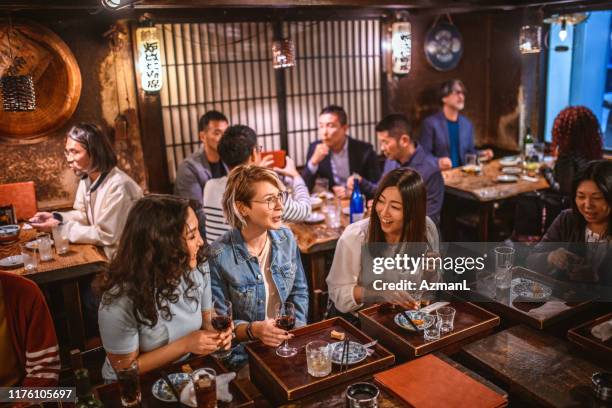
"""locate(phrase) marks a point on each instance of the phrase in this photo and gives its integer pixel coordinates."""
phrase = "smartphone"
(278, 156)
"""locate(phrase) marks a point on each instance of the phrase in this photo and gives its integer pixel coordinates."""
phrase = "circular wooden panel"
(57, 81)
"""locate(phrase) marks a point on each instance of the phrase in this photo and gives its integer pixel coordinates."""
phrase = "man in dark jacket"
(336, 156)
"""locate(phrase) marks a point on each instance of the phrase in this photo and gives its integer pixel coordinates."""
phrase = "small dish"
(315, 202)
(507, 178)
(356, 352)
(162, 392)
(422, 320)
(510, 161)
(11, 261)
(315, 218)
(9, 233)
(471, 168)
(531, 291)
(512, 170)
(346, 211)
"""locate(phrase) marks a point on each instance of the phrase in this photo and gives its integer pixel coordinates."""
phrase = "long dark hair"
(600, 172)
(414, 200)
(97, 145)
(151, 258)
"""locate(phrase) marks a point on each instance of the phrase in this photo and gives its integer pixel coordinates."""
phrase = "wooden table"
(484, 189)
(505, 303)
(316, 241)
(65, 270)
(536, 367)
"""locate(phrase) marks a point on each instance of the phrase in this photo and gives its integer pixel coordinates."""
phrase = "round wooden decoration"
(39, 52)
(443, 46)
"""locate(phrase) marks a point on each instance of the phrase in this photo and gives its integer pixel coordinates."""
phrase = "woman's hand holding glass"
(204, 342)
(269, 334)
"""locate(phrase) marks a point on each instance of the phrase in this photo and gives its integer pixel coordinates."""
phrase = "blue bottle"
(357, 204)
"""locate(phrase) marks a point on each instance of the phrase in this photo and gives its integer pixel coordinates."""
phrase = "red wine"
(285, 322)
(221, 323)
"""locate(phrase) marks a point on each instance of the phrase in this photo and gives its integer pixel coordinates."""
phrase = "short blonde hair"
(239, 187)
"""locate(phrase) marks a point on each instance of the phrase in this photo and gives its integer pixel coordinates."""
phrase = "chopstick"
(172, 388)
(414, 326)
(345, 355)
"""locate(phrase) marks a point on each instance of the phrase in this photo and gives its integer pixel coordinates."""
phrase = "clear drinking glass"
(221, 320)
(29, 255)
(319, 358)
(205, 387)
(43, 241)
(471, 159)
(333, 215)
(446, 318)
(62, 245)
(129, 382)
(285, 319)
(432, 332)
(321, 185)
(539, 148)
(504, 260)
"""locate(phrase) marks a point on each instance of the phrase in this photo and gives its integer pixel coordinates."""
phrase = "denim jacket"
(235, 276)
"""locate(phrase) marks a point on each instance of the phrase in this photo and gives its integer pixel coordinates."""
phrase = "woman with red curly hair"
(576, 141)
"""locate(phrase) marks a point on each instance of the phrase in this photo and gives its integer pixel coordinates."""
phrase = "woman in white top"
(398, 215)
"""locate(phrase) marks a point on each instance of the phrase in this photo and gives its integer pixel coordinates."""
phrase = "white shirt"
(98, 217)
(346, 266)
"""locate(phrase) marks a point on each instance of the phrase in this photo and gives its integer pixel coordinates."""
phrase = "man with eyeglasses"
(238, 146)
(448, 135)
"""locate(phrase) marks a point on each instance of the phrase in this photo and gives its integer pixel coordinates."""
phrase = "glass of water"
(504, 260)
(333, 215)
(44, 247)
(432, 332)
(446, 319)
(62, 245)
(319, 358)
(29, 255)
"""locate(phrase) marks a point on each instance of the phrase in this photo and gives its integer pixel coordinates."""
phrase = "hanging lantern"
(17, 90)
(401, 47)
(530, 39)
(149, 59)
(283, 54)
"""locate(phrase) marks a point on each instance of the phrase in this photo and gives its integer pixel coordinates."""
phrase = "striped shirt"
(297, 207)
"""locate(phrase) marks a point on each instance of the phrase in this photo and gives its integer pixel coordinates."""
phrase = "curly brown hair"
(151, 259)
(576, 130)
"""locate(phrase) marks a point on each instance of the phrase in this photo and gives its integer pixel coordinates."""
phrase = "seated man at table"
(238, 146)
(28, 344)
(204, 164)
(104, 196)
(337, 156)
(448, 135)
(394, 135)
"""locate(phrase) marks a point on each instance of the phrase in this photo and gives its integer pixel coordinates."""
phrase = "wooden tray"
(109, 393)
(471, 322)
(287, 379)
(581, 335)
(508, 307)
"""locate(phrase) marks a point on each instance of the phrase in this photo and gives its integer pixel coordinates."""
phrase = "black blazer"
(362, 160)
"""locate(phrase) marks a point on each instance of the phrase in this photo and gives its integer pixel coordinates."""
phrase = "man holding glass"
(448, 135)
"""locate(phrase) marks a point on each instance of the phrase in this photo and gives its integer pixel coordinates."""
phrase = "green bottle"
(528, 150)
(85, 396)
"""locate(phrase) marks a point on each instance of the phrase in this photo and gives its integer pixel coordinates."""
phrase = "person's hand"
(266, 161)
(46, 224)
(561, 257)
(486, 154)
(289, 170)
(41, 217)
(321, 151)
(204, 342)
(225, 338)
(350, 182)
(268, 333)
(401, 299)
(445, 163)
(339, 191)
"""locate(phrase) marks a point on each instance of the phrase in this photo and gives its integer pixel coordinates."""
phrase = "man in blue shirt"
(448, 135)
(393, 134)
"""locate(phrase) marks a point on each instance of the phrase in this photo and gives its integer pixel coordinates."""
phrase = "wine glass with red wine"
(285, 319)
(221, 320)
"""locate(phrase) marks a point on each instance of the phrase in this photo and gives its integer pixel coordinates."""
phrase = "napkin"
(548, 309)
(603, 331)
(430, 382)
(223, 394)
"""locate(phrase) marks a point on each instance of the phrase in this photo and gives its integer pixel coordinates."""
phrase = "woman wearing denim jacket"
(257, 265)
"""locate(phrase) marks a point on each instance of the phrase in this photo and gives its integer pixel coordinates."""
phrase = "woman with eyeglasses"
(398, 217)
(256, 265)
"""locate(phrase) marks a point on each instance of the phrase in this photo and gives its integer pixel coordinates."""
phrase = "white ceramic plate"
(356, 352)
(315, 218)
(512, 170)
(507, 178)
(11, 261)
(510, 161)
(315, 202)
